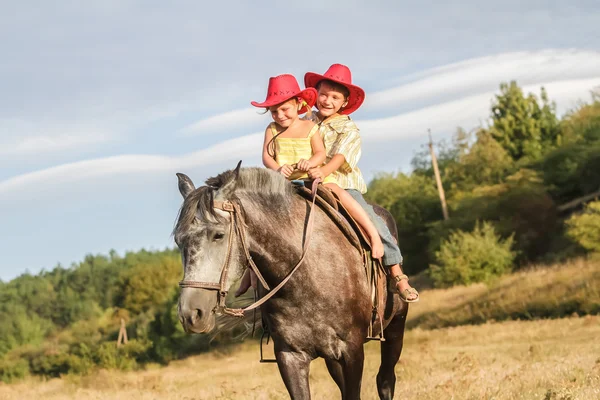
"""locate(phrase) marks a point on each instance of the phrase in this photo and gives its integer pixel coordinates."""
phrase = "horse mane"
(254, 180)
(261, 185)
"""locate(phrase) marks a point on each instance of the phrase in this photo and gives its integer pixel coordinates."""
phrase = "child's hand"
(377, 248)
(303, 165)
(285, 170)
(315, 173)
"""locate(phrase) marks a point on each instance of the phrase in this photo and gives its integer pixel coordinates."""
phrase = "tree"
(149, 285)
(414, 203)
(524, 127)
(483, 163)
(582, 125)
(584, 228)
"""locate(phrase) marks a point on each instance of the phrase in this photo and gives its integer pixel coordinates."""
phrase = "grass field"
(548, 359)
(450, 353)
(539, 292)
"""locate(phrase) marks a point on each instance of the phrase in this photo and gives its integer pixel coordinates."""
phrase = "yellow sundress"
(291, 150)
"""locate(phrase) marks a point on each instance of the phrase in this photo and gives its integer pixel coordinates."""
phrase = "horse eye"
(218, 236)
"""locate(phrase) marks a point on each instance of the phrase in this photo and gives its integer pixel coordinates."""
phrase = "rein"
(237, 227)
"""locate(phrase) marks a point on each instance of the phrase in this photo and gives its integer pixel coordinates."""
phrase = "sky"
(102, 102)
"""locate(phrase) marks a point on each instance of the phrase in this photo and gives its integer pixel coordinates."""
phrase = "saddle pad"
(331, 205)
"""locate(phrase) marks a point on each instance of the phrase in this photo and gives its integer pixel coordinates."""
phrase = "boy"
(337, 98)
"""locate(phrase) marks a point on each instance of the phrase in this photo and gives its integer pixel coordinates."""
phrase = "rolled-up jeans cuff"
(392, 259)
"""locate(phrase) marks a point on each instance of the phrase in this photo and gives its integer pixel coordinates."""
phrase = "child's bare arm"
(345, 150)
(333, 165)
(269, 160)
(319, 155)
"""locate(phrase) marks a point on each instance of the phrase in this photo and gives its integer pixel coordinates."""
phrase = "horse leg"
(294, 367)
(390, 354)
(352, 368)
(337, 373)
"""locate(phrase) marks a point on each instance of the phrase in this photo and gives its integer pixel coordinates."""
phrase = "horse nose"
(193, 316)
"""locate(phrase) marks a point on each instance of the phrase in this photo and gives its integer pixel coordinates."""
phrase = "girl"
(292, 146)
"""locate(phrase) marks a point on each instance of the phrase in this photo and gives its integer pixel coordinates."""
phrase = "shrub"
(585, 228)
(477, 256)
(11, 370)
(52, 364)
(109, 356)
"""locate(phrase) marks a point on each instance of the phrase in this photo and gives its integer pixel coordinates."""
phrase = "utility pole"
(122, 339)
(438, 179)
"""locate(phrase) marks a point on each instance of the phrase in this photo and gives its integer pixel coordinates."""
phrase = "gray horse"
(322, 311)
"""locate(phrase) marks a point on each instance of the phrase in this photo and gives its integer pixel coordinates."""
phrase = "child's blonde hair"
(299, 100)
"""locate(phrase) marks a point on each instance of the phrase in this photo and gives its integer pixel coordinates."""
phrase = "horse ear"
(236, 173)
(186, 186)
(229, 186)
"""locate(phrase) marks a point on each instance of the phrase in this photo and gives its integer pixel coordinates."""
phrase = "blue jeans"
(391, 250)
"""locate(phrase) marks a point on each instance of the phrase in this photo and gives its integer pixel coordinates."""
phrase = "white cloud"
(467, 112)
(39, 144)
(467, 109)
(26, 138)
(121, 66)
(485, 73)
(234, 149)
(229, 121)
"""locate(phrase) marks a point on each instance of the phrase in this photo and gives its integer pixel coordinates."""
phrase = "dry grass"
(545, 292)
(547, 359)
(542, 359)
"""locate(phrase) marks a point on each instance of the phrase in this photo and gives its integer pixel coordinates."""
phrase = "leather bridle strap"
(237, 225)
(238, 220)
(309, 231)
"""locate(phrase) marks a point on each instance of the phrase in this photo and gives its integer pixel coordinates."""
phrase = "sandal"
(404, 294)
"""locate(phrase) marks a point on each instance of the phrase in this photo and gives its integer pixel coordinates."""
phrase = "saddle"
(374, 271)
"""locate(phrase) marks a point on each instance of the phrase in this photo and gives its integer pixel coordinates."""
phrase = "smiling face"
(286, 113)
(331, 98)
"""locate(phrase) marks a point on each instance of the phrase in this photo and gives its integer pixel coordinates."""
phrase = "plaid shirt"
(341, 136)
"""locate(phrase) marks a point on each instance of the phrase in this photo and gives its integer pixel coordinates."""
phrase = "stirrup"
(370, 334)
(265, 360)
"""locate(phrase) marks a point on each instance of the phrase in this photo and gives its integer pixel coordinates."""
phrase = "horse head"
(212, 258)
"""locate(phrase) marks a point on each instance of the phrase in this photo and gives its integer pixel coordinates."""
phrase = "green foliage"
(126, 357)
(584, 228)
(571, 171)
(88, 300)
(477, 256)
(148, 285)
(413, 201)
(523, 126)
(80, 358)
(11, 370)
(583, 123)
(484, 163)
(20, 327)
(53, 364)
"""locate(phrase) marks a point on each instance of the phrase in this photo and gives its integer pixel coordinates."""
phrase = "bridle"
(236, 228)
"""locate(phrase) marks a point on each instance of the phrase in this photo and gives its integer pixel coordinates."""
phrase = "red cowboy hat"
(284, 87)
(341, 74)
